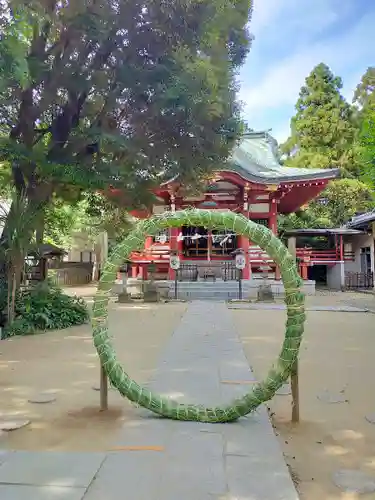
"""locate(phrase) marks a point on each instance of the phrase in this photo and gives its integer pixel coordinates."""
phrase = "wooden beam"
(294, 378)
(103, 389)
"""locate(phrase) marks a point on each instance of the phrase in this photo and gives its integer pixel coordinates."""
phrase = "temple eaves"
(253, 158)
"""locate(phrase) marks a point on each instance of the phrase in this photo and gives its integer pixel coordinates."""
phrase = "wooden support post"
(103, 389)
(295, 392)
(294, 379)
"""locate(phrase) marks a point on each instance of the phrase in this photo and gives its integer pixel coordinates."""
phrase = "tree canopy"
(112, 91)
(364, 98)
(327, 132)
(322, 131)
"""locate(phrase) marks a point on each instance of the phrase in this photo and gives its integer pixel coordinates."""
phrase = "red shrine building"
(252, 183)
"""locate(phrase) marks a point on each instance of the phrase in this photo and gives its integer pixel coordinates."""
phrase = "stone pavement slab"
(282, 307)
(21, 492)
(50, 468)
(199, 461)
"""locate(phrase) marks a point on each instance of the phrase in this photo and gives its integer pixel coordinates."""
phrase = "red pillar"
(277, 273)
(173, 233)
(304, 273)
(273, 216)
(273, 227)
(143, 271)
(148, 242)
(244, 243)
(134, 270)
(341, 248)
(180, 244)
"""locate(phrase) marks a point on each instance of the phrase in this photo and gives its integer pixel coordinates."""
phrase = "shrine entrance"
(200, 244)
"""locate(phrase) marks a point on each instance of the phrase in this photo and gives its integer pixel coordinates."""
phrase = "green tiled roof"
(254, 158)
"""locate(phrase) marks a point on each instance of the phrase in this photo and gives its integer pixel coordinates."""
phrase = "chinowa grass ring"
(294, 299)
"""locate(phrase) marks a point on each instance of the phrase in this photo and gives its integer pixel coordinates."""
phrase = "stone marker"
(284, 390)
(43, 398)
(13, 424)
(97, 388)
(328, 397)
(370, 418)
(354, 481)
(124, 298)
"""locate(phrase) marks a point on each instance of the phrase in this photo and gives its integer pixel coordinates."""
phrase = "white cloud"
(272, 18)
(278, 89)
(281, 84)
(264, 12)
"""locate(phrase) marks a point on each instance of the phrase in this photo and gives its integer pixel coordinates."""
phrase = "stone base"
(124, 298)
(265, 293)
(229, 290)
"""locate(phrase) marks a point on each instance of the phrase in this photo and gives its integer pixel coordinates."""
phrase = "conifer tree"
(323, 130)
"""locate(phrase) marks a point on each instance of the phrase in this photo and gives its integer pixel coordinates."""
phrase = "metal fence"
(356, 281)
(230, 272)
(187, 272)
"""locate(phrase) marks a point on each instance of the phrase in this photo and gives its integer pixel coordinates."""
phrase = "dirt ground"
(65, 364)
(337, 355)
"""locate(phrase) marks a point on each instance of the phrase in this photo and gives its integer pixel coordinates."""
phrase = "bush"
(46, 307)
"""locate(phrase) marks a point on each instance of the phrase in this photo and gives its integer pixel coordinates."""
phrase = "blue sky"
(293, 36)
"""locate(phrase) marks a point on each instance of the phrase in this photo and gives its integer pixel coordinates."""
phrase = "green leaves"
(366, 144)
(329, 132)
(323, 129)
(46, 307)
(148, 78)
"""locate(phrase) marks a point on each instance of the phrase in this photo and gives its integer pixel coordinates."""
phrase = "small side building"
(332, 257)
(341, 258)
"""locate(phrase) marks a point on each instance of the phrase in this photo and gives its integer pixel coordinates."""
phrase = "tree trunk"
(39, 235)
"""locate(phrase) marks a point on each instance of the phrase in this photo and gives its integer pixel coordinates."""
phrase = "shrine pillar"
(244, 243)
(173, 244)
(273, 216)
(273, 227)
(148, 242)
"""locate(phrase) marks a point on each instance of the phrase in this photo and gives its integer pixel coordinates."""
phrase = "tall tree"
(323, 130)
(117, 91)
(364, 94)
(366, 144)
(364, 100)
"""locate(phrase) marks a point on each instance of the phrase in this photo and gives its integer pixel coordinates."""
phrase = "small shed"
(37, 261)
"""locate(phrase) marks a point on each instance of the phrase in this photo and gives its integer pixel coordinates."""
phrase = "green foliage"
(364, 97)
(46, 307)
(366, 149)
(327, 132)
(117, 92)
(61, 220)
(323, 129)
(92, 214)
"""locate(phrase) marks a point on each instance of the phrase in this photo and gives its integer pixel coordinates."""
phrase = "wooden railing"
(324, 255)
(256, 255)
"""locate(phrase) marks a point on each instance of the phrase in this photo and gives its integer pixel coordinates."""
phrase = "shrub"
(46, 307)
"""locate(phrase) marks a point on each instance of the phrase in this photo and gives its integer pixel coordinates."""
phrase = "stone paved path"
(282, 307)
(187, 460)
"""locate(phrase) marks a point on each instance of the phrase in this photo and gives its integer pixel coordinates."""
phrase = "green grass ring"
(294, 300)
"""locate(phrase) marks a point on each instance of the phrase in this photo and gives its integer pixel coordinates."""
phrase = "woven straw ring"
(294, 299)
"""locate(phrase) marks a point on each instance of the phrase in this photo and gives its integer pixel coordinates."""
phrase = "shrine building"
(252, 183)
